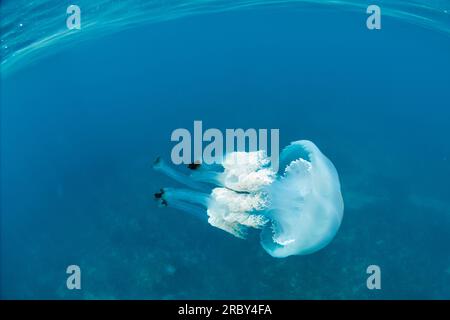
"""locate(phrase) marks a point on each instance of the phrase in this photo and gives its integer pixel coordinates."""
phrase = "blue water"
(81, 125)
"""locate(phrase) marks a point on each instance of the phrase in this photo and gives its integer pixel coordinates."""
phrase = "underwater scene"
(122, 176)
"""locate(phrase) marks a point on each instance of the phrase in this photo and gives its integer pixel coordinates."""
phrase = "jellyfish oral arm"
(161, 166)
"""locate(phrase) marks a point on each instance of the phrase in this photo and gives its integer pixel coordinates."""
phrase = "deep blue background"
(81, 128)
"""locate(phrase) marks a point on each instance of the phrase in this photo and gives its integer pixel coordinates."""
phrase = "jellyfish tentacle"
(161, 166)
(207, 173)
(191, 202)
(197, 166)
(211, 177)
(186, 195)
(191, 209)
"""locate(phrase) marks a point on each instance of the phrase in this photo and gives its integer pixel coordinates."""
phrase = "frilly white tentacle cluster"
(239, 204)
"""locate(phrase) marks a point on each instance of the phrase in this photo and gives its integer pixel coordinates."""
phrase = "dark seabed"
(81, 128)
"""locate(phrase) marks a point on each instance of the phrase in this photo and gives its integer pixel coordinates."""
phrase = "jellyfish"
(297, 208)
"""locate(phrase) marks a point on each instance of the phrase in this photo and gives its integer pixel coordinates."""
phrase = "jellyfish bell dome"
(298, 208)
(306, 207)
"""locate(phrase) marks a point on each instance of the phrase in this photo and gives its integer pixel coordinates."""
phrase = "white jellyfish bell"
(299, 208)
